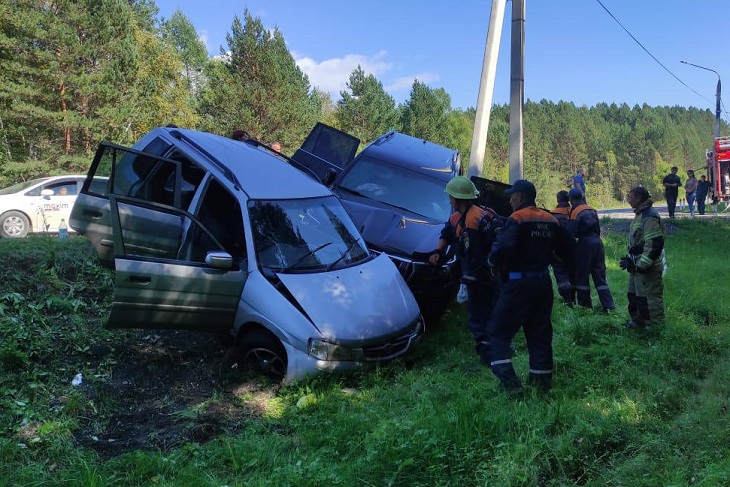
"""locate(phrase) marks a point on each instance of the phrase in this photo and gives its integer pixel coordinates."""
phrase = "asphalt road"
(629, 213)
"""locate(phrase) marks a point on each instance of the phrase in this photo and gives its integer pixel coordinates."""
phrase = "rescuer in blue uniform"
(560, 271)
(590, 256)
(523, 250)
(471, 230)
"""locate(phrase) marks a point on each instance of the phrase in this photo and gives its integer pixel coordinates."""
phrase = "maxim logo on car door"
(54, 206)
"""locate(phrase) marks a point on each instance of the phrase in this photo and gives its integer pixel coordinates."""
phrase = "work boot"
(632, 325)
(541, 382)
(508, 380)
(484, 350)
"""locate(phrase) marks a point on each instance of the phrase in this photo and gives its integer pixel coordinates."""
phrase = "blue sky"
(574, 51)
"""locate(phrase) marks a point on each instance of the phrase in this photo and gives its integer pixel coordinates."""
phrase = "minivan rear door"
(171, 278)
(326, 151)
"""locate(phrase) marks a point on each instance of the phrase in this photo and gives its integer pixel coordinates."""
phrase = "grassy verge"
(626, 408)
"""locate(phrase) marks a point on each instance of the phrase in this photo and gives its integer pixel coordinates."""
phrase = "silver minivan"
(218, 235)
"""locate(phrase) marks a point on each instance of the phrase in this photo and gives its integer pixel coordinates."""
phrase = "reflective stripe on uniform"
(500, 362)
(541, 372)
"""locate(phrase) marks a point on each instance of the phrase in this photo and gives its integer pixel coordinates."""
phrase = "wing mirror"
(219, 260)
(47, 192)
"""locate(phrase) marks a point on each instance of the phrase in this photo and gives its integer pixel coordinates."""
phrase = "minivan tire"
(261, 352)
(14, 224)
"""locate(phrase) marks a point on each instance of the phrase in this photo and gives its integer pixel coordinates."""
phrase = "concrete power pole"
(517, 91)
(486, 88)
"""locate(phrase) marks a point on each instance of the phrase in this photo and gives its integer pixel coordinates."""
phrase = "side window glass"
(192, 176)
(221, 215)
(149, 232)
(98, 184)
(63, 188)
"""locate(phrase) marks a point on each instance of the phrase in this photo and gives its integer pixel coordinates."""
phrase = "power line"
(647, 51)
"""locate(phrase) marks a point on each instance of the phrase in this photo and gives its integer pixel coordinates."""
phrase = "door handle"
(139, 279)
(106, 242)
(91, 213)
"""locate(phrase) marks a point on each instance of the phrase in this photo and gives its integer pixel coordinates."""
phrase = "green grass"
(626, 409)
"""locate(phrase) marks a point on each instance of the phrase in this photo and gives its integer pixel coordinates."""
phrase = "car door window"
(147, 177)
(221, 226)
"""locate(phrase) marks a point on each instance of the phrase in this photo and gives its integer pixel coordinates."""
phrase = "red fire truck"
(718, 168)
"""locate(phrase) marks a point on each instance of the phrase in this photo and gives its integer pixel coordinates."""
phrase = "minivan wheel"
(14, 224)
(261, 352)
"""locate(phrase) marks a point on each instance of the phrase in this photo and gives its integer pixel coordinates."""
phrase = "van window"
(220, 214)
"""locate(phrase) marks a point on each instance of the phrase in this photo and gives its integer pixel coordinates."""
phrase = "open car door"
(491, 194)
(179, 277)
(326, 151)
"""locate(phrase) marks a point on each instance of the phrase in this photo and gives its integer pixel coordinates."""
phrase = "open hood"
(399, 233)
(342, 304)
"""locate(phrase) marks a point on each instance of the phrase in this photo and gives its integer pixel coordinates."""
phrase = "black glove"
(628, 263)
(439, 252)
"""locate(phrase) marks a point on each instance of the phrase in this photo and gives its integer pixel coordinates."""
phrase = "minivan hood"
(393, 231)
(359, 303)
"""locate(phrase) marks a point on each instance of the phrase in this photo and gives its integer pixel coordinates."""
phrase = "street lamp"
(717, 106)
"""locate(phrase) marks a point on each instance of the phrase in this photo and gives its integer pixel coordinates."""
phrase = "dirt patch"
(166, 388)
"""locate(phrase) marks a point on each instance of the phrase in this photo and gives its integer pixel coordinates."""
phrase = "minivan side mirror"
(219, 260)
(47, 192)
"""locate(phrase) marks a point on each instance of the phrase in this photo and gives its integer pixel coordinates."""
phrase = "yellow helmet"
(461, 188)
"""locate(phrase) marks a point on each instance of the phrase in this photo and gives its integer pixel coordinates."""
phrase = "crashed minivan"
(218, 235)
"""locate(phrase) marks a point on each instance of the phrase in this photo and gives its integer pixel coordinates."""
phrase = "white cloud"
(332, 74)
(406, 82)
(203, 36)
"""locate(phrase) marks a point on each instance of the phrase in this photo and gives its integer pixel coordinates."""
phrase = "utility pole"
(517, 92)
(714, 173)
(486, 89)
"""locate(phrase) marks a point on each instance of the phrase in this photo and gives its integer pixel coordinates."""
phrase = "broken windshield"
(310, 234)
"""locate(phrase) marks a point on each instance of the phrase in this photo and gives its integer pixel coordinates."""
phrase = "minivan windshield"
(313, 234)
(398, 186)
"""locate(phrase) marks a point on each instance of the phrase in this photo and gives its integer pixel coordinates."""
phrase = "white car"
(37, 206)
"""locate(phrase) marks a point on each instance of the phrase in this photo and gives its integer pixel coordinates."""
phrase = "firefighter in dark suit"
(560, 271)
(471, 230)
(590, 256)
(523, 251)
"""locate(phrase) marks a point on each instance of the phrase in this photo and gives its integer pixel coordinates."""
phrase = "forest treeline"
(76, 72)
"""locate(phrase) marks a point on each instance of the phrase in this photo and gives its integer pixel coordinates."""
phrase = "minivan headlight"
(324, 350)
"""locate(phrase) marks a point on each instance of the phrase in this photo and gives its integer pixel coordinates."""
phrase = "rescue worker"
(645, 263)
(590, 256)
(471, 230)
(523, 250)
(560, 271)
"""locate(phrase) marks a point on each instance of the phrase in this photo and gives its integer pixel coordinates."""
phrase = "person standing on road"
(590, 256)
(471, 229)
(523, 251)
(690, 190)
(671, 184)
(579, 181)
(560, 271)
(645, 263)
(703, 189)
